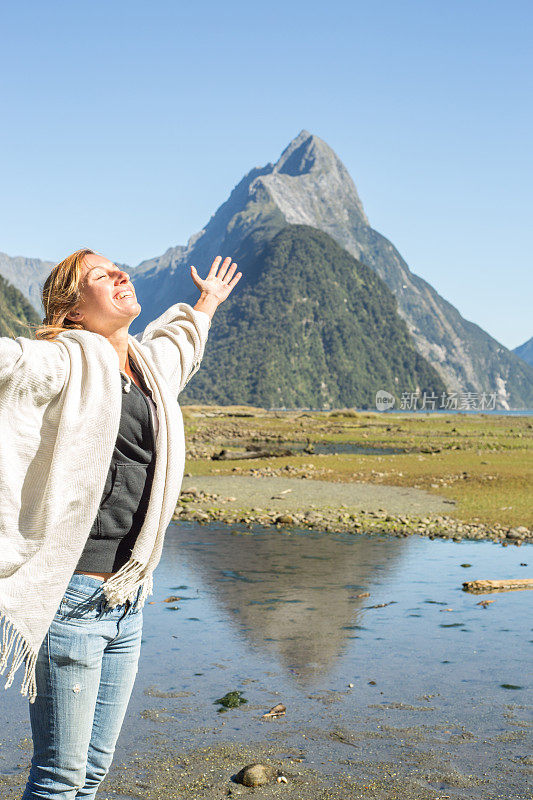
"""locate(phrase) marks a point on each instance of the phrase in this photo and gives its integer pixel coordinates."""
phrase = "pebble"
(256, 775)
(285, 519)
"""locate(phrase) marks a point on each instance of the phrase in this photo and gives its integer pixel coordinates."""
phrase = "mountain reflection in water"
(293, 595)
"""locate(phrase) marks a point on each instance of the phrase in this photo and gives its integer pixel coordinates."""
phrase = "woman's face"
(108, 300)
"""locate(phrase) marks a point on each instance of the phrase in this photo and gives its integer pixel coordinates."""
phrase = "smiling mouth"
(122, 295)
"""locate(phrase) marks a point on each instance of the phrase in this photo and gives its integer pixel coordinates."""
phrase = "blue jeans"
(86, 668)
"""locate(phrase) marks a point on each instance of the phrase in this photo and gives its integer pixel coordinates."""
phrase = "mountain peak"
(304, 154)
(310, 185)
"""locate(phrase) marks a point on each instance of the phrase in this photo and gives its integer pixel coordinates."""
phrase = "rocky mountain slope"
(27, 275)
(317, 329)
(525, 351)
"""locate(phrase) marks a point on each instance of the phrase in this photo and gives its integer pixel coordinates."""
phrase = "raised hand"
(220, 280)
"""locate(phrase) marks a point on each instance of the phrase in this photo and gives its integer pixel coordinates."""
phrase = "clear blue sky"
(126, 124)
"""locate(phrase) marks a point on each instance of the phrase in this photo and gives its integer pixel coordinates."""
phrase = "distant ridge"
(525, 351)
(27, 275)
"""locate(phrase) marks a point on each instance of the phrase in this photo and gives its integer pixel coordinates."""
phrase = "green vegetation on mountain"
(313, 328)
(15, 311)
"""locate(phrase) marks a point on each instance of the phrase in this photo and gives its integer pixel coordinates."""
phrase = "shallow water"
(349, 448)
(276, 616)
(330, 448)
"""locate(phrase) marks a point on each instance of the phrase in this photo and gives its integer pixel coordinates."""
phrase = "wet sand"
(418, 773)
(166, 772)
(300, 494)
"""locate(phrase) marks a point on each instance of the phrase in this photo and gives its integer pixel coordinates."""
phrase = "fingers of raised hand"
(194, 275)
(235, 280)
(230, 273)
(223, 271)
(224, 268)
(214, 267)
(230, 279)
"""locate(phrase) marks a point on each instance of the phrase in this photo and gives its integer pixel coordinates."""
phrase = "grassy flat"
(482, 462)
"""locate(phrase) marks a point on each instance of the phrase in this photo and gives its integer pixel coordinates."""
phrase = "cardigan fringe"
(121, 587)
(125, 583)
(15, 646)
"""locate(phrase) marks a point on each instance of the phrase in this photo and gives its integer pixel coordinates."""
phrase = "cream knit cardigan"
(60, 407)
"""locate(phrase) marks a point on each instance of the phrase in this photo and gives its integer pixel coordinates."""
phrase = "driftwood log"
(233, 455)
(507, 585)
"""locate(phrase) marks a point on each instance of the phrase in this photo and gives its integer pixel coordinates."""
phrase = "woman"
(91, 458)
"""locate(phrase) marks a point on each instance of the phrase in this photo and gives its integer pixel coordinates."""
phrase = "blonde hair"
(61, 292)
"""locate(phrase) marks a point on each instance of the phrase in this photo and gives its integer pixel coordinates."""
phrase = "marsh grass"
(483, 462)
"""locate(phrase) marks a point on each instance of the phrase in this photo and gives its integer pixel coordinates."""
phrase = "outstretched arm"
(177, 338)
(37, 368)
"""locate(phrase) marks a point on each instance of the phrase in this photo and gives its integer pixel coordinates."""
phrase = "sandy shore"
(290, 494)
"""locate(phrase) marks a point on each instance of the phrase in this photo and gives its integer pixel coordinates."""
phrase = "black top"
(127, 487)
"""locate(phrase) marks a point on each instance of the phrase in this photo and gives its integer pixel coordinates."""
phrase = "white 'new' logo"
(384, 400)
